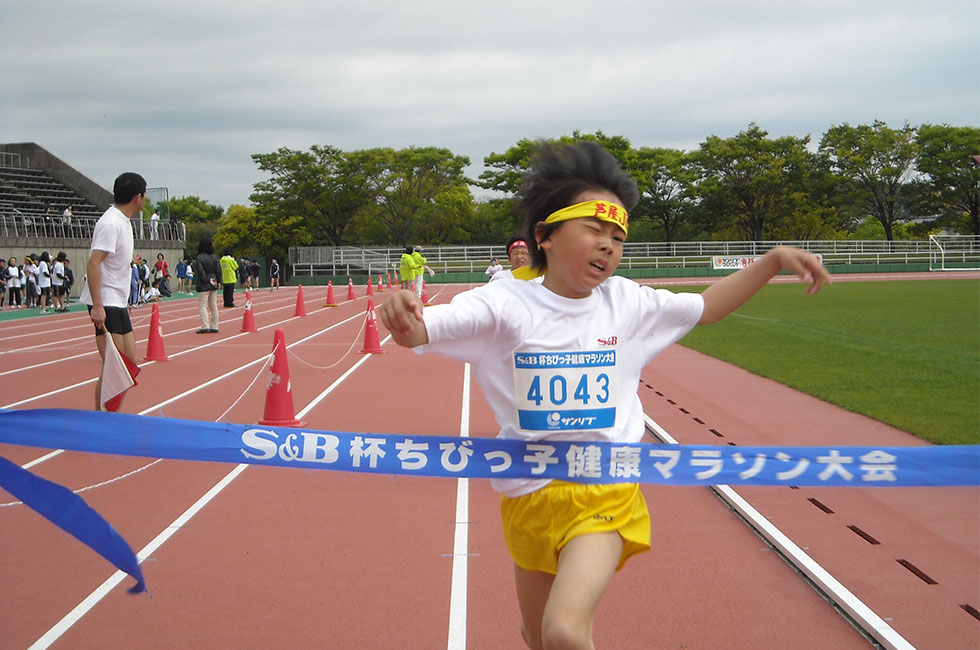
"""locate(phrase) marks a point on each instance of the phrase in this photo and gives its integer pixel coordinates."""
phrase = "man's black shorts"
(116, 321)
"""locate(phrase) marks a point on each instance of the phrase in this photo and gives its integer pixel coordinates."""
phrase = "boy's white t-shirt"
(114, 235)
(43, 275)
(58, 268)
(555, 368)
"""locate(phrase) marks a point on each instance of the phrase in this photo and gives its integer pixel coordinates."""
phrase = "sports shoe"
(213, 331)
(202, 331)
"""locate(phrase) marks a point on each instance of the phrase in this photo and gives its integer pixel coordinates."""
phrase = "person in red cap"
(519, 257)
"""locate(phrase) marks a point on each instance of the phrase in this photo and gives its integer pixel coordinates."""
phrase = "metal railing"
(327, 260)
(15, 224)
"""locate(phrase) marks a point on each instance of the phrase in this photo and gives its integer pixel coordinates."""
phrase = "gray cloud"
(185, 92)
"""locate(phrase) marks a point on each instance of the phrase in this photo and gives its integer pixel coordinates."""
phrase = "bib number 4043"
(557, 390)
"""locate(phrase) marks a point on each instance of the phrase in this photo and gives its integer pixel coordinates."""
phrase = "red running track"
(288, 558)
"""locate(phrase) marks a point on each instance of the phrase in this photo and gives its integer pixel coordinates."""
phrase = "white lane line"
(863, 615)
(181, 353)
(103, 590)
(457, 594)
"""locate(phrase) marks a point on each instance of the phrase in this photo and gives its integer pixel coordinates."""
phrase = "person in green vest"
(420, 269)
(229, 268)
(407, 269)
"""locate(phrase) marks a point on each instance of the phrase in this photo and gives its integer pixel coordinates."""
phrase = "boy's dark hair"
(408, 250)
(559, 173)
(127, 186)
(205, 246)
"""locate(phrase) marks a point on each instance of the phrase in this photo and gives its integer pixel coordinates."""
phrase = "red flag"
(118, 375)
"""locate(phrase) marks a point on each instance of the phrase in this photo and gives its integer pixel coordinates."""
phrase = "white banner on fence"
(735, 262)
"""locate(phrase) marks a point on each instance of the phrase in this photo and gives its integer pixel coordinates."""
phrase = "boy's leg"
(533, 588)
(586, 564)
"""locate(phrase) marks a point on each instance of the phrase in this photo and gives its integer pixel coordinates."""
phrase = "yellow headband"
(604, 210)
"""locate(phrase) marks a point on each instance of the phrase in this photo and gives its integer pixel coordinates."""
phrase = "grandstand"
(35, 188)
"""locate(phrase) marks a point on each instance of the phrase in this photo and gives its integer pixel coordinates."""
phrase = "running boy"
(575, 203)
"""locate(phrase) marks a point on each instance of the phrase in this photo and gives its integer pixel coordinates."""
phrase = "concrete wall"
(79, 258)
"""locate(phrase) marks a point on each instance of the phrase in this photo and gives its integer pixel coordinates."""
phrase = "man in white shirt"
(106, 289)
(154, 225)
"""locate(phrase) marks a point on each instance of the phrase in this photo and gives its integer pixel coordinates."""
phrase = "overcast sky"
(184, 92)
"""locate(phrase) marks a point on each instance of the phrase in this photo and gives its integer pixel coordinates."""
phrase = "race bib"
(558, 391)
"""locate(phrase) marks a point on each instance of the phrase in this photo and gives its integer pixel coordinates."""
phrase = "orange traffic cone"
(372, 341)
(248, 318)
(300, 305)
(154, 344)
(388, 281)
(425, 295)
(330, 302)
(397, 283)
(350, 289)
(370, 290)
(381, 287)
(278, 395)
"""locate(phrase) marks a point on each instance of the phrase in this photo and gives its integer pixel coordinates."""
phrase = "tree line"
(866, 181)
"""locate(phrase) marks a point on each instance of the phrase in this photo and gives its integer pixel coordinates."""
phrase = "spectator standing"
(30, 282)
(421, 269)
(44, 281)
(134, 283)
(493, 268)
(58, 282)
(181, 276)
(69, 283)
(14, 278)
(229, 268)
(274, 276)
(207, 271)
(155, 225)
(407, 269)
(66, 219)
(243, 272)
(253, 274)
(3, 282)
(107, 274)
(160, 268)
(144, 270)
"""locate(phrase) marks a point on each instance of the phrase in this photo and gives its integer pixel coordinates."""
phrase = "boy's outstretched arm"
(730, 293)
(402, 315)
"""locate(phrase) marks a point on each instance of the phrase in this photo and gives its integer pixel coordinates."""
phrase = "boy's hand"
(806, 266)
(402, 315)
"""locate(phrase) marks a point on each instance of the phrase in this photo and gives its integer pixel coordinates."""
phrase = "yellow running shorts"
(538, 525)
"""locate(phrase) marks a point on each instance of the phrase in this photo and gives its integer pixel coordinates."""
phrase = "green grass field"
(906, 353)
